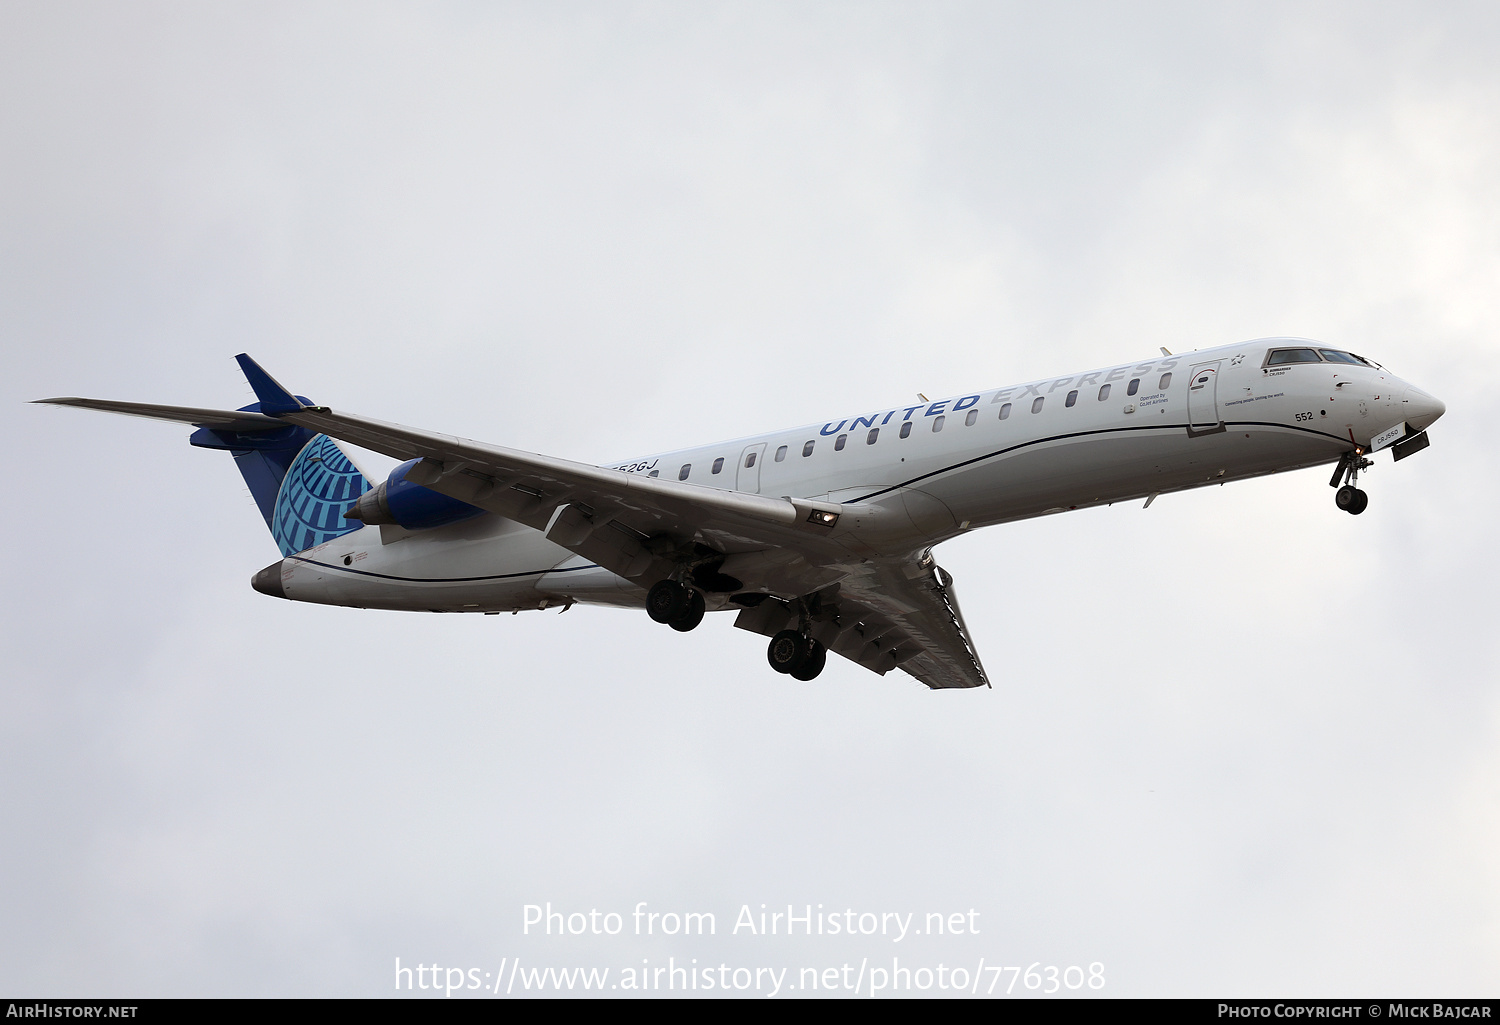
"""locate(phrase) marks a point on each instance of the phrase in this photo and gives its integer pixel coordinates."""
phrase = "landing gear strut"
(692, 615)
(813, 665)
(1349, 497)
(675, 604)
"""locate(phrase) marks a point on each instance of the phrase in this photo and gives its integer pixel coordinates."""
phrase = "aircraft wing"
(926, 609)
(226, 419)
(888, 615)
(630, 524)
(880, 613)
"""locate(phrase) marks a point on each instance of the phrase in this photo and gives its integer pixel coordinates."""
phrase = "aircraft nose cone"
(268, 580)
(1420, 409)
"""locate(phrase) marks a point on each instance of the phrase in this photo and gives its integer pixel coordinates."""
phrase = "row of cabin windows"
(1104, 389)
(937, 425)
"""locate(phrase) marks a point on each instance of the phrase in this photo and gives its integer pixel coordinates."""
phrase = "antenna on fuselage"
(1164, 351)
(924, 398)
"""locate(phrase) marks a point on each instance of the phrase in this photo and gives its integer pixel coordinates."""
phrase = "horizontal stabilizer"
(224, 419)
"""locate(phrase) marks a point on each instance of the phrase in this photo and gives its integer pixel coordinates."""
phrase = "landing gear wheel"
(667, 600)
(1351, 499)
(788, 651)
(813, 664)
(692, 616)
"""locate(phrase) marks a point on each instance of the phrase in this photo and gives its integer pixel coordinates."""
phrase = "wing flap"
(888, 616)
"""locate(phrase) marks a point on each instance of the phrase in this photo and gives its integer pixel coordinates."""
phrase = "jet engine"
(397, 500)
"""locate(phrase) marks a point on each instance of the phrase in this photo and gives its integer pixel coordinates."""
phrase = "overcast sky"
(1239, 744)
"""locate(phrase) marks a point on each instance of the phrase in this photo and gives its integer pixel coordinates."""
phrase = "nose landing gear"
(1349, 497)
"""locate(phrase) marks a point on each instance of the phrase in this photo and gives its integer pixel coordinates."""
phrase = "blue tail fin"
(274, 398)
(302, 481)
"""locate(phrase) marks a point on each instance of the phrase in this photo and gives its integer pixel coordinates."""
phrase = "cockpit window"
(1281, 356)
(1335, 356)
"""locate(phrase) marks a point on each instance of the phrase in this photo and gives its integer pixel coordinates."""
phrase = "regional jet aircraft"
(819, 537)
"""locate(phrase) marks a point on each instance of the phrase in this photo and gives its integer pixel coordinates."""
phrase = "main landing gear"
(797, 655)
(677, 605)
(1348, 497)
(791, 651)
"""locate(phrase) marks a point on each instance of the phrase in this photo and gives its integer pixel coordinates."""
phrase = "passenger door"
(1203, 399)
(747, 477)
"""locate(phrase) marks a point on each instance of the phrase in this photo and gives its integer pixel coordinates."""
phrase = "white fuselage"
(968, 461)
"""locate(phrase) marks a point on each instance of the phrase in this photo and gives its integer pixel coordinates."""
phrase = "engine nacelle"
(397, 500)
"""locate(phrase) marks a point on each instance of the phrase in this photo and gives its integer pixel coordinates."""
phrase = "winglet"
(274, 399)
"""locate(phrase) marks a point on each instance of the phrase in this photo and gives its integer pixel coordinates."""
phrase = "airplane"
(819, 537)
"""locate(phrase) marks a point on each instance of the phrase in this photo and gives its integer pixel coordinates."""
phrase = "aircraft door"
(747, 477)
(1203, 399)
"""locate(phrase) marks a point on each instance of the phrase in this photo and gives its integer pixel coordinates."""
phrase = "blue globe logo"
(320, 484)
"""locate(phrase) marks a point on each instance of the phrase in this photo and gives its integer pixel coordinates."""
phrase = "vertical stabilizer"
(301, 481)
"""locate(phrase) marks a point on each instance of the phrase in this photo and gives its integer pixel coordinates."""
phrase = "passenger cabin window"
(838, 443)
(687, 468)
(971, 418)
(718, 465)
(1134, 386)
(1005, 411)
(1164, 383)
(1279, 357)
(874, 433)
(1103, 392)
(653, 473)
(1036, 404)
(781, 453)
(937, 424)
(749, 460)
(807, 450)
(906, 429)
(1072, 399)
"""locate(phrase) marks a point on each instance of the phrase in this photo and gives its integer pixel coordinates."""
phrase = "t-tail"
(303, 482)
